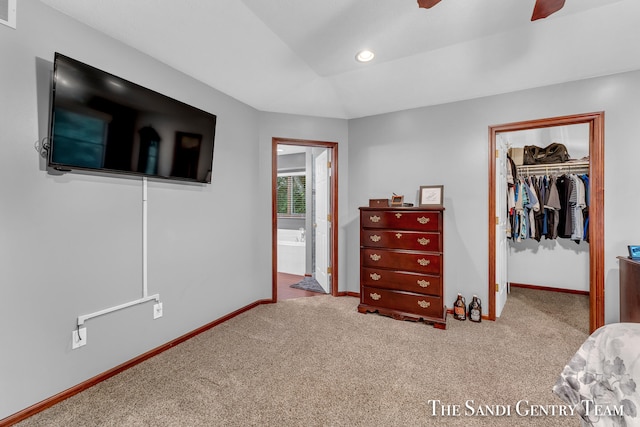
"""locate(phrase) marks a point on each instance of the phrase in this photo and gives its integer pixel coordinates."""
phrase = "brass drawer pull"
(398, 235)
(423, 220)
(423, 283)
(424, 304)
(375, 238)
(375, 257)
(424, 242)
(398, 215)
(375, 276)
(424, 262)
(374, 218)
(375, 296)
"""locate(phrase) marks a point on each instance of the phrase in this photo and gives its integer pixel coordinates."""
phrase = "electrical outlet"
(78, 340)
(157, 310)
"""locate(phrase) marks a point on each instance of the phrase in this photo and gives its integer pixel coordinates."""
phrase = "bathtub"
(292, 253)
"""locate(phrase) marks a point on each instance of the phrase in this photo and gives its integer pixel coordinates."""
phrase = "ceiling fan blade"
(427, 4)
(544, 8)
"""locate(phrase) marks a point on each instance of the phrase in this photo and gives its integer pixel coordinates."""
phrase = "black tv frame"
(184, 132)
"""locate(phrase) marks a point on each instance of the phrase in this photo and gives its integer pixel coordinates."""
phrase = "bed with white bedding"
(602, 380)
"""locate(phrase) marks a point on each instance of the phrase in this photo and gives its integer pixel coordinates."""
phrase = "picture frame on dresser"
(431, 195)
(397, 200)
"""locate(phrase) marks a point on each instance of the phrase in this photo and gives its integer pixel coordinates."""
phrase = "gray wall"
(448, 144)
(292, 162)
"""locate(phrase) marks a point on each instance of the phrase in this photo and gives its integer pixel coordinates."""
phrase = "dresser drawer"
(422, 305)
(396, 239)
(411, 282)
(402, 220)
(419, 262)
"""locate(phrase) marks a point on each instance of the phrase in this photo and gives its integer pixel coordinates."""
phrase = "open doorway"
(304, 212)
(547, 257)
(595, 123)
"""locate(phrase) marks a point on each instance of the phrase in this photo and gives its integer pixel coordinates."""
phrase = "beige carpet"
(318, 362)
(569, 309)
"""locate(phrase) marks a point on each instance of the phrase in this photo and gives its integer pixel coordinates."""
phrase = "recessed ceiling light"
(364, 56)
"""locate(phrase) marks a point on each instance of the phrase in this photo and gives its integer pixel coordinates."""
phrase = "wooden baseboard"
(47, 403)
(546, 288)
(348, 294)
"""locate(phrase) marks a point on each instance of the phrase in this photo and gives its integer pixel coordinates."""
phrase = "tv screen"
(100, 122)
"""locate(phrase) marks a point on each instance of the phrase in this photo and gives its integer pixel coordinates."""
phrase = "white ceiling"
(295, 56)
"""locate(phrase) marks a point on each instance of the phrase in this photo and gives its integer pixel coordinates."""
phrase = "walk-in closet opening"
(304, 197)
(546, 216)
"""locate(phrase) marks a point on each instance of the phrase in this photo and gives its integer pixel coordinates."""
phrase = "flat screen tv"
(103, 123)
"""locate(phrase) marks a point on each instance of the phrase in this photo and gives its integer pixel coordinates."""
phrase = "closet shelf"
(577, 167)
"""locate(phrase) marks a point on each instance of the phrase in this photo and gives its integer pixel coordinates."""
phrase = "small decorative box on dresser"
(401, 263)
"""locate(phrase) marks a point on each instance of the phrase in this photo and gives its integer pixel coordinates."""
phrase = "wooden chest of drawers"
(401, 263)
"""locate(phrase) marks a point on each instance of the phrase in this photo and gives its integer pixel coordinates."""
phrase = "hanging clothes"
(585, 214)
(534, 207)
(538, 215)
(544, 190)
(577, 204)
(548, 206)
(511, 201)
(552, 208)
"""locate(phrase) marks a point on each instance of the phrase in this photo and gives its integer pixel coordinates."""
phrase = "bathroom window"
(292, 195)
